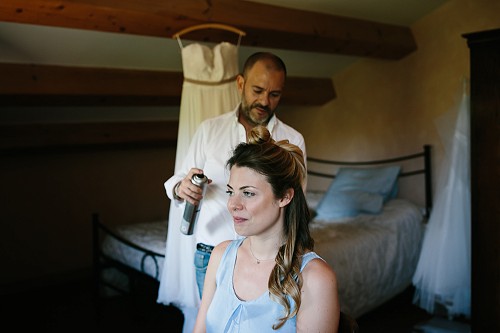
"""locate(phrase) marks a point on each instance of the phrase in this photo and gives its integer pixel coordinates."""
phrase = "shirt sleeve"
(195, 158)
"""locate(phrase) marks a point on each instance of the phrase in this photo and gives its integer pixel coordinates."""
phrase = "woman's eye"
(248, 194)
(229, 193)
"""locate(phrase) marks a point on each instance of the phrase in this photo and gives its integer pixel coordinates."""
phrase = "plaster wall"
(390, 108)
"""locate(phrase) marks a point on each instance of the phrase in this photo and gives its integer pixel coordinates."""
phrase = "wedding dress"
(209, 88)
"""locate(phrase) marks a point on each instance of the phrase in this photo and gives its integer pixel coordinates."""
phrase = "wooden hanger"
(209, 26)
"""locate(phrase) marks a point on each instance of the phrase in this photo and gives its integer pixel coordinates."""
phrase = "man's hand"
(186, 190)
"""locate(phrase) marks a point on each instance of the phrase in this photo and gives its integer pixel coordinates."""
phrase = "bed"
(362, 227)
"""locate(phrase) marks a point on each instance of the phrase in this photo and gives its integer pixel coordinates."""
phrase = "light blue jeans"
(201, 259)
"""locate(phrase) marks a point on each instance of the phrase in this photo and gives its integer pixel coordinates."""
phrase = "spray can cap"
(199, 179)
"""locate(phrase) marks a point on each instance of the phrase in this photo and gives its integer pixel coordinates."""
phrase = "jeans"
(201, 258)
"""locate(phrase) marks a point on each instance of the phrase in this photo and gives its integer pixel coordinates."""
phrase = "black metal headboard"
(425, 170)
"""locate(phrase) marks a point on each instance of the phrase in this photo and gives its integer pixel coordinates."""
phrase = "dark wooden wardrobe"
(485, 179)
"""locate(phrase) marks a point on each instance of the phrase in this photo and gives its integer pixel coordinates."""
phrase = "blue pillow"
(358, 190)
(395, 191)
(378, 180)
(336, 205)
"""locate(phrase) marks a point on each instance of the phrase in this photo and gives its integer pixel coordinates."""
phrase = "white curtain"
(443, 274)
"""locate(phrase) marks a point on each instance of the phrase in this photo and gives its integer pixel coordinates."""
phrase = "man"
(260, 86)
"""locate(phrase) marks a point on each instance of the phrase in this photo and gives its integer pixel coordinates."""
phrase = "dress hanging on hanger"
(209, 89)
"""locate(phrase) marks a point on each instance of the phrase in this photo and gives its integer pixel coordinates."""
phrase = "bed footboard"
(133, 280)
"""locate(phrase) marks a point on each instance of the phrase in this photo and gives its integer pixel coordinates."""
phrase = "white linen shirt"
(212, 145)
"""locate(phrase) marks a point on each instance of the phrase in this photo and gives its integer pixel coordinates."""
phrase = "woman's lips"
(238, 220)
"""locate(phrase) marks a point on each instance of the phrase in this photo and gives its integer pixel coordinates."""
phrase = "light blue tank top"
(229, 314)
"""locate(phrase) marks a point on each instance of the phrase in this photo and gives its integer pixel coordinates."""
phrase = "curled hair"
(283, 166)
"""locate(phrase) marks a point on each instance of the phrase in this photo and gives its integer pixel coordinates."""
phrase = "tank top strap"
(306, 258)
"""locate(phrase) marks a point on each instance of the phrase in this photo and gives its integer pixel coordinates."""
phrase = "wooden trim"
(32, 79)
(265, 25)
(48, 85)
(16, 138)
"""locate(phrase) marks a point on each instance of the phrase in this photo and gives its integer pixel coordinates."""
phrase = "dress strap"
(180, 42)
(182, 46)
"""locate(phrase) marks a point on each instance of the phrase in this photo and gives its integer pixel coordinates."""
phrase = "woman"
(270, 279)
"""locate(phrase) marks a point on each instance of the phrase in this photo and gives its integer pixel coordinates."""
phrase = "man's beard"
(246, 111)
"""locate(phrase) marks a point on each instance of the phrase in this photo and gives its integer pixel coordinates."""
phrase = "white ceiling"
(49, 45)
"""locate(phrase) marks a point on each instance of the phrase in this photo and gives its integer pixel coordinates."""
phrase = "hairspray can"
(191, 211)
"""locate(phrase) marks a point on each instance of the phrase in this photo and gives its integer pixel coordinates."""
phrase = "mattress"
(374, 256)
(148, 235)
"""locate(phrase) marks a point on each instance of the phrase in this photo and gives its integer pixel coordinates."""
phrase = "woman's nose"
(233, 204)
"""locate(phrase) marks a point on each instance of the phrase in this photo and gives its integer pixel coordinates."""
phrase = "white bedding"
(374, 256)
(149, 235)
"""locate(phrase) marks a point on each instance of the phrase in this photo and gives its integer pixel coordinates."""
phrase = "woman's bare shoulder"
(219, 249)
(319, 271)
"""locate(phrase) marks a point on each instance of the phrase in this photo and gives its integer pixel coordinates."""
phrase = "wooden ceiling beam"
(44, 85)
(265, 25)
(57, 137)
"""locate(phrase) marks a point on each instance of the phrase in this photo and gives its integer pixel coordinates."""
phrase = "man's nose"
(264, 99)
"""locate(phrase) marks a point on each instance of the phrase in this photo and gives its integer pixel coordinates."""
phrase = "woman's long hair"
(282, 163)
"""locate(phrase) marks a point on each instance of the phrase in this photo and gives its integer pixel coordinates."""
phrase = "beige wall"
(388, 108)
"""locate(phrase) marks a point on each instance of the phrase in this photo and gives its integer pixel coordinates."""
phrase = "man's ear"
(240, 82)
(287, 197)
